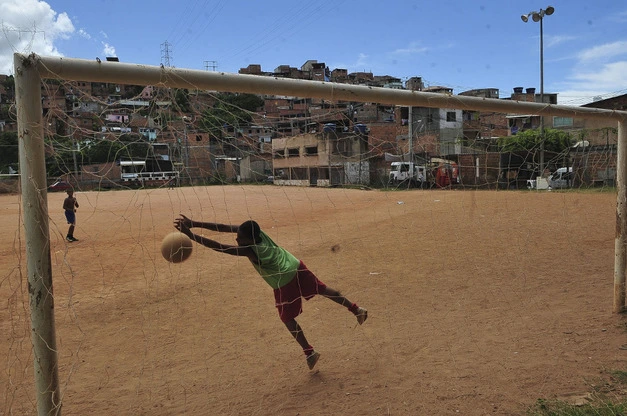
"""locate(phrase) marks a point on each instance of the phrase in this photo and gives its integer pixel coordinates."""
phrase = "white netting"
(479, 301)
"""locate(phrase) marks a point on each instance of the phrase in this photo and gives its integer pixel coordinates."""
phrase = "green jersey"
(277, 266)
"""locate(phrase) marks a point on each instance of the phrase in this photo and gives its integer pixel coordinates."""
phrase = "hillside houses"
(172, 125)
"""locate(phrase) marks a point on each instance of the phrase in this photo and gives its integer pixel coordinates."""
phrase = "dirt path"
(479, 302)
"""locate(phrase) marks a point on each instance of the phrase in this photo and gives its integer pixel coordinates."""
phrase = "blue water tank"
(329, 127)
(360, 128)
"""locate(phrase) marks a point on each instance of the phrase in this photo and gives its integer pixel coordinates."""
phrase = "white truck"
(408, 173)
(561, 178)
(147, 171)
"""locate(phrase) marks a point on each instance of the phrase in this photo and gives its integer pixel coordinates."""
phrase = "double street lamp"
(539, 17)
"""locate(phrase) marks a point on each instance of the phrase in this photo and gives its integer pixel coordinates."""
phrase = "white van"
(561, 178)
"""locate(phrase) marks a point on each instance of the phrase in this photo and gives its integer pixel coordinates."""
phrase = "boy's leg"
(299, 336)
(70, 233)
(337, 297)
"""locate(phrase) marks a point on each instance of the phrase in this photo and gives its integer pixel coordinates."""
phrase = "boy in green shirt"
(290, 279)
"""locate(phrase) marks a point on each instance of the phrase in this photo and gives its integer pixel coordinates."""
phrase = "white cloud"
(607, 77)
(30, 26)
(84, 34)
(619, 17)
(602, 52)
(108, 50)
(558, 39)
(412, 49)
(361, 64)
(585, 84)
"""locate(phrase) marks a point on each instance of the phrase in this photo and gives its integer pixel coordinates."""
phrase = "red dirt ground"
(480, 302)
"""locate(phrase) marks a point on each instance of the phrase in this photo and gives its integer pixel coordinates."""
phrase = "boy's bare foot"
(362, 315)
(312, 359)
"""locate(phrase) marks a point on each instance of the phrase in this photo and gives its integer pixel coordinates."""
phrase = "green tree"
(134, 147)
(181, 98)
(101, 151)
(230, 110)
(554, 141)
(9, 84)
(9, 154)
(59, 155)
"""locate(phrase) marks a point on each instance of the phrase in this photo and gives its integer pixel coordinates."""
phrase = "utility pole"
(75, 144)
(411, 134)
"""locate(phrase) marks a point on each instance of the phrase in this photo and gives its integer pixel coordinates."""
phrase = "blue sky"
(459, 44)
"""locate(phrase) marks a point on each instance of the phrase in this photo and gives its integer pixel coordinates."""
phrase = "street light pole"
(541, 96)
(539, 17)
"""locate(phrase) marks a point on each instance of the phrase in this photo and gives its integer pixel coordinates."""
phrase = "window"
(311, 150)
(280, 153)
(293, 152)
(562, 121)
(451, 116)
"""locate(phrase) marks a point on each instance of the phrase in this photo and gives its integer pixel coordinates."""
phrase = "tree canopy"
(8, 151)
(230, 110)
(554, 141)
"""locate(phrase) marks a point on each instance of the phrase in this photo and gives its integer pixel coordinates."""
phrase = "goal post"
(30, 70)
(37, 235)
(620, 244)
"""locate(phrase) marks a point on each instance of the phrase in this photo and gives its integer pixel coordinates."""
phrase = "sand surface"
(480, 302)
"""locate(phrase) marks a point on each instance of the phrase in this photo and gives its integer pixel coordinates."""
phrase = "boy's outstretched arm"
(223, 228)
(243, 251)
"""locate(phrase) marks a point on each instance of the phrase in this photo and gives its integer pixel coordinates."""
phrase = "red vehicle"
(446, 173)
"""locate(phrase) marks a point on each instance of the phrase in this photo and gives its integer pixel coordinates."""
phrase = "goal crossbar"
(116, 72)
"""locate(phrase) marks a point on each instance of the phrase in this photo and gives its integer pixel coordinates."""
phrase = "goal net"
(364, 185)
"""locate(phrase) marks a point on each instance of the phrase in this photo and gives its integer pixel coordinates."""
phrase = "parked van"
(561, 178)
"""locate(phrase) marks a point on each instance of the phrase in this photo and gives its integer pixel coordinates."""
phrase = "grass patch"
(608, 398)
(620, 376)
(558, 408)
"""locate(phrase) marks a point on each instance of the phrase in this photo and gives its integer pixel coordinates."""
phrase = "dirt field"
(480, 302)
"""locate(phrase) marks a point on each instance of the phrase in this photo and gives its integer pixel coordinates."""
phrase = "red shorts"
(288, 298)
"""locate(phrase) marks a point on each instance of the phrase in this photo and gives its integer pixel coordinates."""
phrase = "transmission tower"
(211, 65)
(33, 32)
(165, 53)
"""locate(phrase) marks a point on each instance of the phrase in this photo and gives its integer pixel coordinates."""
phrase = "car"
(60, 186)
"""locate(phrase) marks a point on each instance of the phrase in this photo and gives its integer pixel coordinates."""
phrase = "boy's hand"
(183, 224)
(184, 220)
